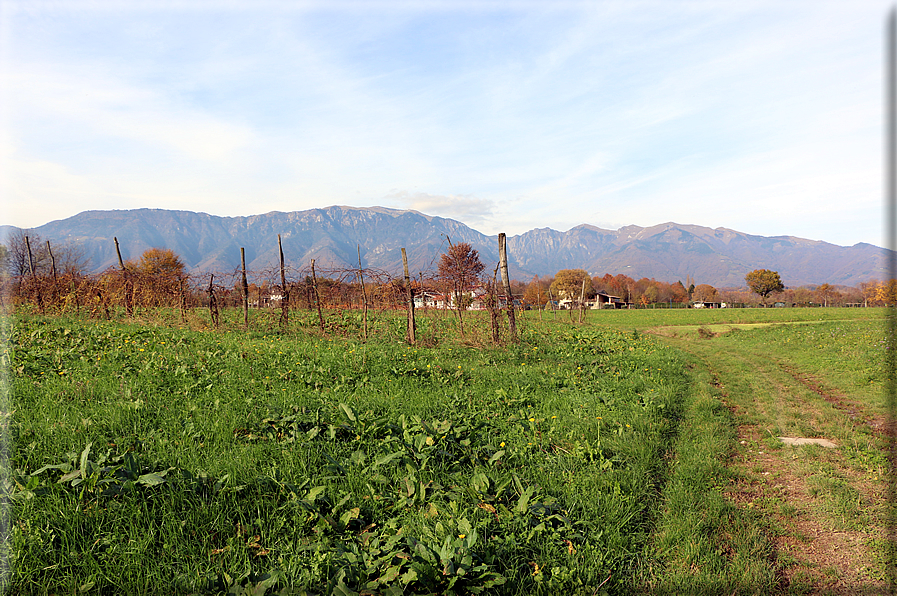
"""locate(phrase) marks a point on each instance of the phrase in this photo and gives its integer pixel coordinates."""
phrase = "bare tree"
(460, 267)
(17, 263)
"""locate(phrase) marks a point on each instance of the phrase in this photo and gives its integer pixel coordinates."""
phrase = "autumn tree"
(678, 293)
(650, 294)
(460, 267)
(161, 274)
(802, 296)
(704, 293)
(886, 292)
(568, 283)
(536, 292)
(826, 293)
(867, 289)
(161, 262)
(764, 282)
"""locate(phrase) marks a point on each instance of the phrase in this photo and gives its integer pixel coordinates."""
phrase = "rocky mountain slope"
(333, 236)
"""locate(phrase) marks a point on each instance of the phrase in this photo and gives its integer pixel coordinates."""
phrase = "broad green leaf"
(314, 493)
(446, 552)
(349, 516)
(391, 574)
(60, 467)
(348, 411)
(342, 501)
(69, 476)
(84, 459)
(358, 457)
(464, 526)
(382, 461)
(409, 576)
(496, 456)
(493, 579)
(151, 479)
(523, 502)
(480, 482)
(342, 589)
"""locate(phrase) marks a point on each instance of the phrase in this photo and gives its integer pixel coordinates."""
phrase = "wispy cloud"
(465, 208)
(508, 115)
(100, 109)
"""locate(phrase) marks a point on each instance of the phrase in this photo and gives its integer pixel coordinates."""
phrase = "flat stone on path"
(803, 441)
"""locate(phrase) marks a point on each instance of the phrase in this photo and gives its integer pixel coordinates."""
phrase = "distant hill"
(333, 235)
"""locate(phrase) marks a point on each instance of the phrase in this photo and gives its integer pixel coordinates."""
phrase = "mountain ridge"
(334, 235)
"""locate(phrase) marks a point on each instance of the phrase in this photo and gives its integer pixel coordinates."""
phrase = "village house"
(706, 304)
(605, 300)
(429, 299)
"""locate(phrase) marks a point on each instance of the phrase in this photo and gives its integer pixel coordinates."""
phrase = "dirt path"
(824, 508)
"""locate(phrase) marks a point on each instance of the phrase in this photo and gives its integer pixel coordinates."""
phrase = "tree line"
(55, 277)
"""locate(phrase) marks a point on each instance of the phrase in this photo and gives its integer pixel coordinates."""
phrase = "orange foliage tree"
(160, 274)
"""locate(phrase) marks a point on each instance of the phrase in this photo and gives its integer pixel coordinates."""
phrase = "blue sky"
(763, 117)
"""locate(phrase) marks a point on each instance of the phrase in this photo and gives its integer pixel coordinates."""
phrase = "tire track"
(812, 556)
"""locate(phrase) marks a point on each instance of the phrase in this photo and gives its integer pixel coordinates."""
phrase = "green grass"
(153, 455)
(705, 544)
(649, 318)
(147, 459)
(796, 376)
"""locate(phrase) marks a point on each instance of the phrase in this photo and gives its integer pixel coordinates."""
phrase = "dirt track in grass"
(824, 508)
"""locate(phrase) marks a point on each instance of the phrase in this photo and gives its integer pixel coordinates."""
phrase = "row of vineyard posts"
(311, 288)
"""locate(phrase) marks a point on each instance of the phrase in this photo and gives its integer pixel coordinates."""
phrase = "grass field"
(588, 459)
(147, 457)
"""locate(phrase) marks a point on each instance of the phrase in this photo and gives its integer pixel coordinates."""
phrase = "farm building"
(706, 304)
(605, 300)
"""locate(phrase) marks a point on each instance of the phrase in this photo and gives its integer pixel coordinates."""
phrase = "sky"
(762, 117)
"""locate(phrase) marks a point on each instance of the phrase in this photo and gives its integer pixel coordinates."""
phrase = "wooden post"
(284, 293)
(183, 298)
(30, 258)
(105, 302)
(55, 277)
(410, 297)
(213, 303)
(129, 307)
(582, 300)
(314, 285)
(506, 282)
(245, 290)
(364, 297)
(121, 263)
(52, 261)
(40, 300)
(494, 308)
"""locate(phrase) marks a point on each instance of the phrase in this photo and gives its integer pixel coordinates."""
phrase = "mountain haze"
(333, 235)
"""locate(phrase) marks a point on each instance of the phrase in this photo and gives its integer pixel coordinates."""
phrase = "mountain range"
(333, 236)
